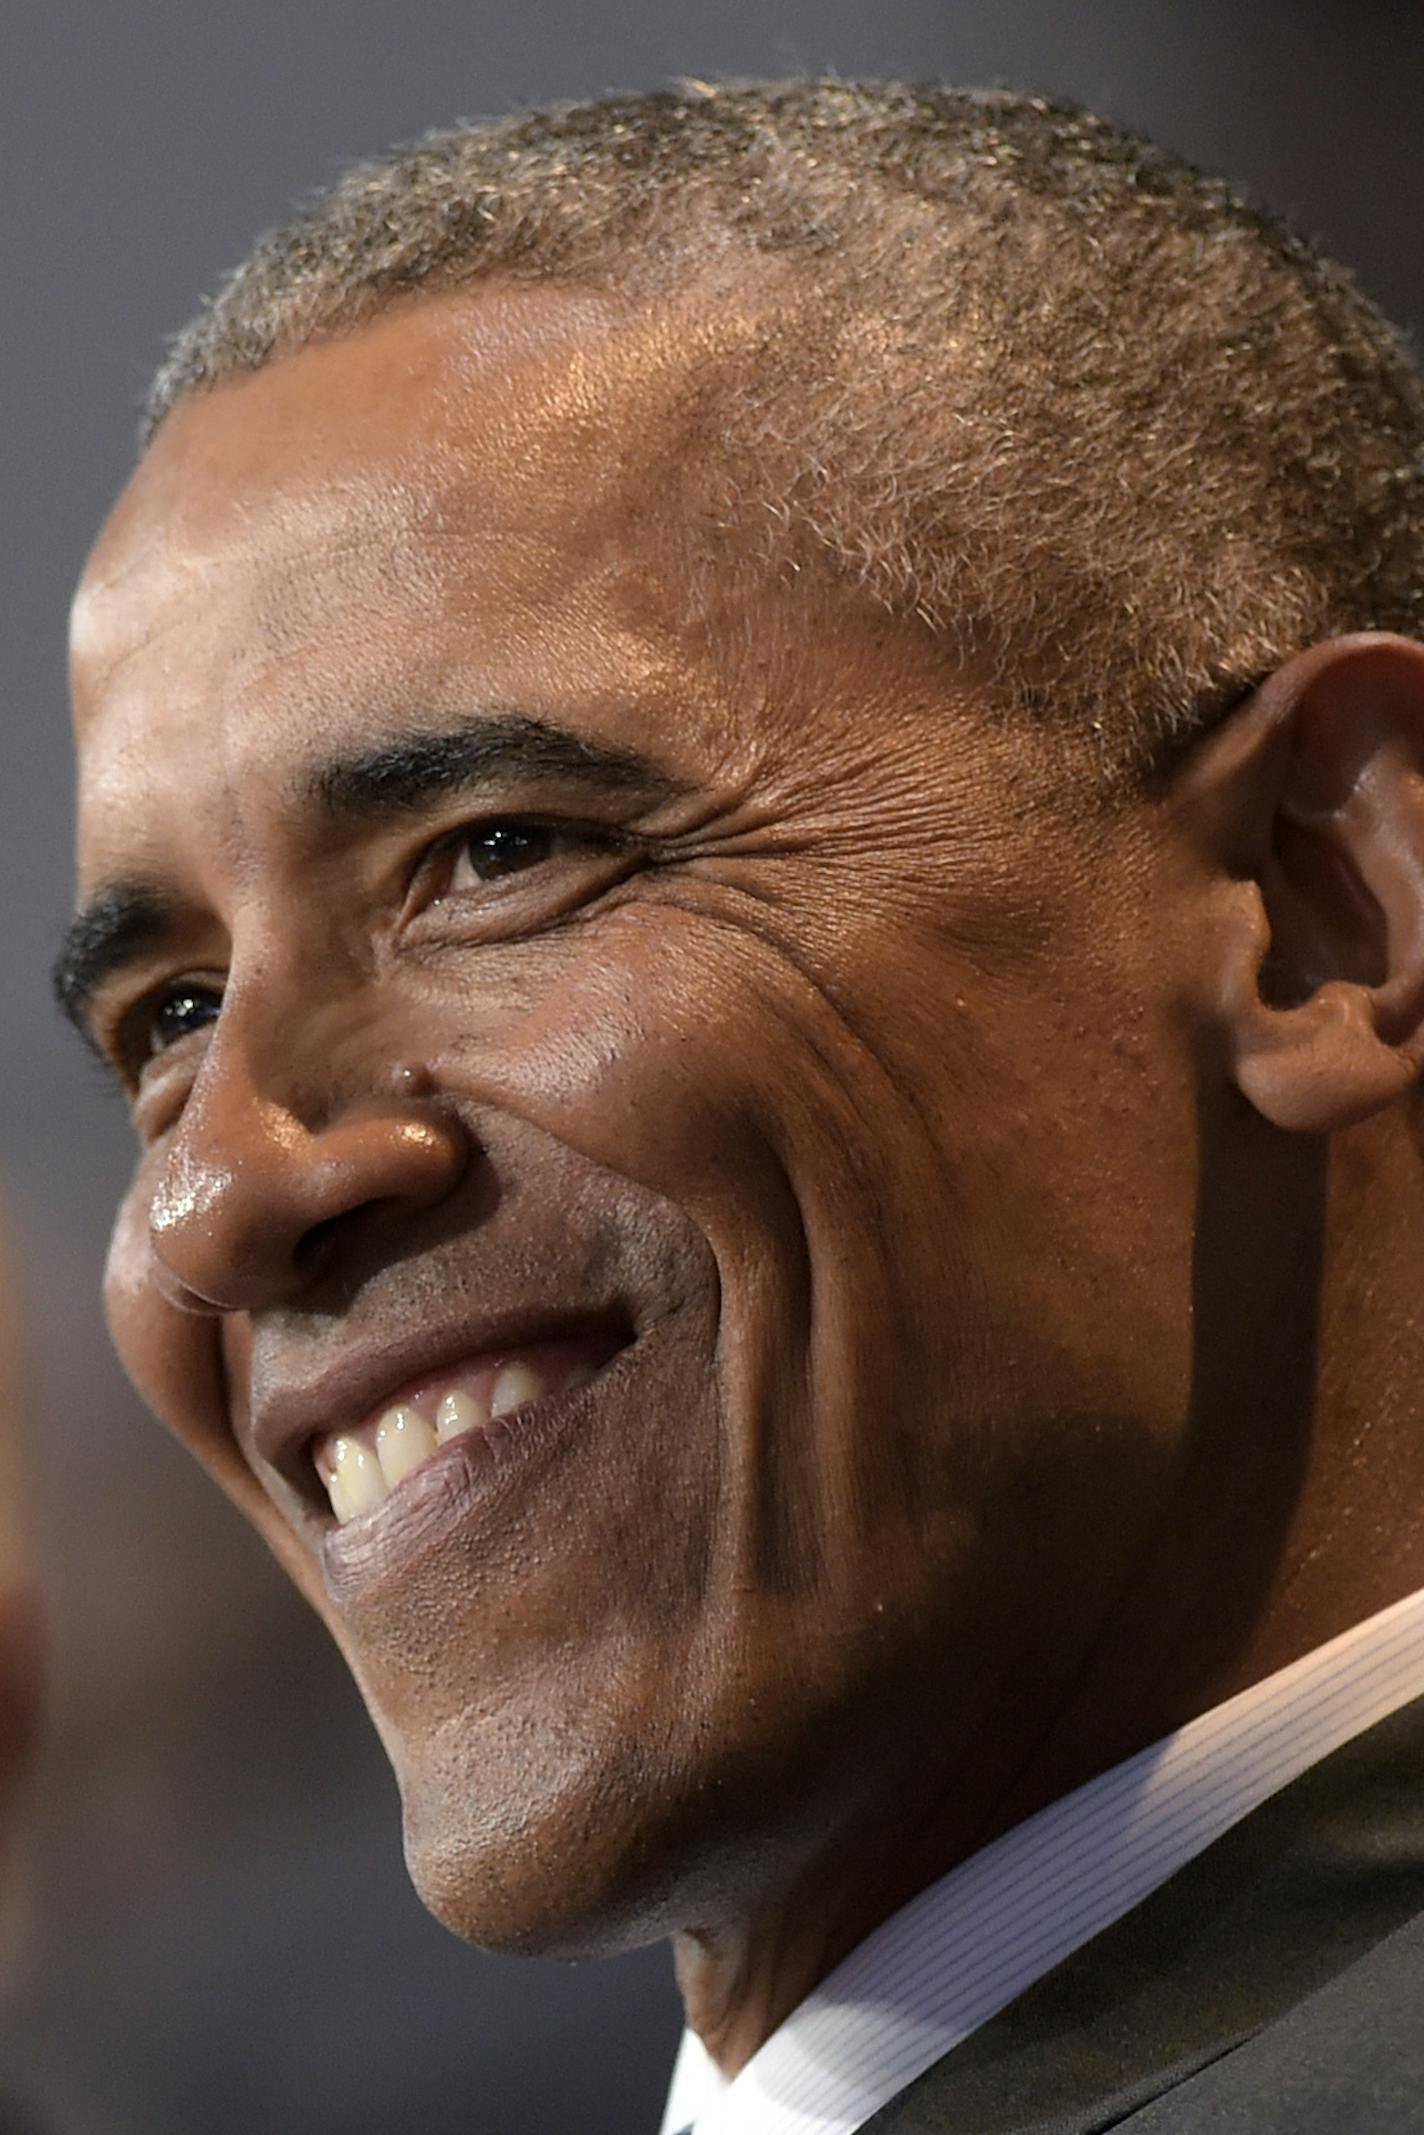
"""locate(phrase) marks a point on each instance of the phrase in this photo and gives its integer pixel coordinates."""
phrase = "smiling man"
(752, 844)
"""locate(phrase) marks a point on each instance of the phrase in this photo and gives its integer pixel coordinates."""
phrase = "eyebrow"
(409, 772)
(128, 920)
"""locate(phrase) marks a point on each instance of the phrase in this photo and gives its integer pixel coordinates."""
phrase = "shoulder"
(1348, 2060)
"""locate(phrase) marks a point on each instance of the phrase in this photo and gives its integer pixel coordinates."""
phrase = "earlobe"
(1313, 799)
(1322, 1066)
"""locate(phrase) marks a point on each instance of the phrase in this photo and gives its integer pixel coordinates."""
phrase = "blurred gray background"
(212, 1934)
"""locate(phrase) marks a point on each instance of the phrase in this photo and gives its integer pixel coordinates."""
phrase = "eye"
(163, 1017)
(567, 862)
(486, 851)
(506, 876)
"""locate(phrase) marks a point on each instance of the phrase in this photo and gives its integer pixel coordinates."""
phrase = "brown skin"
(1020, 1365)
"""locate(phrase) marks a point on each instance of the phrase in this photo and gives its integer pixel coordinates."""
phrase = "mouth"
(402, 1451)
(481, 1400)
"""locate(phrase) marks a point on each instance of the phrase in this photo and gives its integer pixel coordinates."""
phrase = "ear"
(1312, 799)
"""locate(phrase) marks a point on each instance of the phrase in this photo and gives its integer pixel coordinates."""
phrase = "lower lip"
(473, 1478)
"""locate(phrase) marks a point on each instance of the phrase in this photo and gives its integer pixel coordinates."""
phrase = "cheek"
(181, 1364)
(702, 1064)
(695, 1060)
(172, 1357)
(926, 1256)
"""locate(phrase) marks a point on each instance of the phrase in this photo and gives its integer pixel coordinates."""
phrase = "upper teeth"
(403, 1440)
(360, 1468)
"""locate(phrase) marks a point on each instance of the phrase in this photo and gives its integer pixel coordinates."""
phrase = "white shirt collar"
(974, 1941)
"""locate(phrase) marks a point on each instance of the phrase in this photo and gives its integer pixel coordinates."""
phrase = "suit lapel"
(1288, 1899)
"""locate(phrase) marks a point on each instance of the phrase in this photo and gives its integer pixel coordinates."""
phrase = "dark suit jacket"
(1275, 1986)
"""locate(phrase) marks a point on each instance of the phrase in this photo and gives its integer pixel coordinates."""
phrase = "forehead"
(497, 458)
(489, 418)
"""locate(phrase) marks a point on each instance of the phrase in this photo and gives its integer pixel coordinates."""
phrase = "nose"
(254, 1201)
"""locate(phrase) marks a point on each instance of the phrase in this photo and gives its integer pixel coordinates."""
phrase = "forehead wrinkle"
(266, 555)
(329, 555)
(518, 418)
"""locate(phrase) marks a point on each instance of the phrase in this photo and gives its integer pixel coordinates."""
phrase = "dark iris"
(185, 1009)
(502, 848)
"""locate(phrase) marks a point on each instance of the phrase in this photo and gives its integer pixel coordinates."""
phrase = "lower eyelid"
(523, 903)
(128, 1044)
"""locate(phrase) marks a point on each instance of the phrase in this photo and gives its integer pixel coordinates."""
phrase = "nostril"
(256, 1205)
(316, 1246)
(373, 1177)
(313, 1247)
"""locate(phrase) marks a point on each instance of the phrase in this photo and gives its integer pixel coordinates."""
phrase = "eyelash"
(449, 847)
(133, 1044)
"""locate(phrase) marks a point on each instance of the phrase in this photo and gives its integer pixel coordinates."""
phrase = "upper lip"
(286, 1413)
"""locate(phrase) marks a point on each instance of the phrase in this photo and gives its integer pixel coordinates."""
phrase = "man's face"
(559, 971)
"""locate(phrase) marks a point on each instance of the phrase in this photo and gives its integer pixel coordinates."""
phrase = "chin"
(530, 1835)
(549, 1863)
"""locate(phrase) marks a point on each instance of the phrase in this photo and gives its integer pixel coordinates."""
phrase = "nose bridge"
(297, 1046)
(301, 1122)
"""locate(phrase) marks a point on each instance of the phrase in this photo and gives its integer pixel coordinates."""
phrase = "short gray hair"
(1124, 442)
